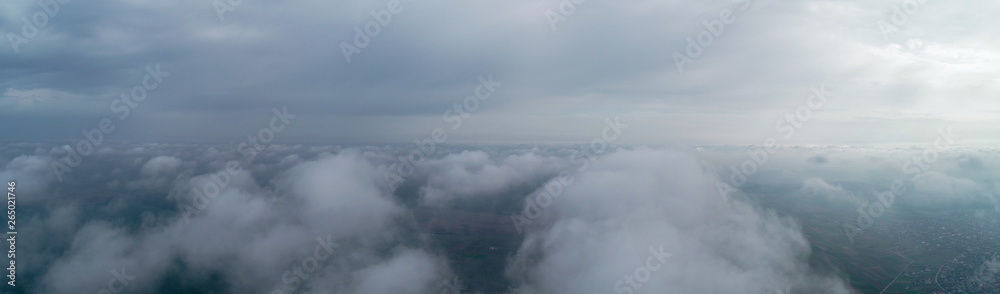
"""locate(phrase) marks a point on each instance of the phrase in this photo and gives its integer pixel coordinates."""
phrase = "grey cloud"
(615, 58)
(818, 159)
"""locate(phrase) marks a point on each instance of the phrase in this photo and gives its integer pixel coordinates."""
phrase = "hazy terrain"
(462, 218)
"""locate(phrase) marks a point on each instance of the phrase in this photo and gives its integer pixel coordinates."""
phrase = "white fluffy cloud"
(31, 172)
(264, 222)
(160, 165)
(836, 193)
(473, 173)
(603, 226)
(254, 235)
(936, 188)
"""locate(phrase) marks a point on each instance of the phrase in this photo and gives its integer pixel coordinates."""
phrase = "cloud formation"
(629, 201)
(312, 218)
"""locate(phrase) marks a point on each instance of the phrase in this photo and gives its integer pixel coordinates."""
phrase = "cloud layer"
(323, 219)
(938, 67)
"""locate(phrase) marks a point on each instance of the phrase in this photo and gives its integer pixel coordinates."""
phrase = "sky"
(217, 146)
(893, 71)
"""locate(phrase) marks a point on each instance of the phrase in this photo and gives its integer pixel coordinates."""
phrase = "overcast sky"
(561, 73)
